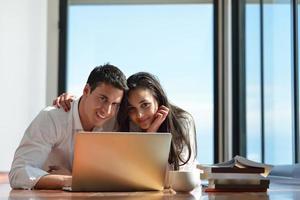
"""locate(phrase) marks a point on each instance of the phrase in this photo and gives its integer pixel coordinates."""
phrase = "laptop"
(120, 161)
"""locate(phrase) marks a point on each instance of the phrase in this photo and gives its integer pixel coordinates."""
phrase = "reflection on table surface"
(276, 191)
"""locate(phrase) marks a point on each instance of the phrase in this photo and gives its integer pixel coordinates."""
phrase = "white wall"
(23, 70)
(52, 50)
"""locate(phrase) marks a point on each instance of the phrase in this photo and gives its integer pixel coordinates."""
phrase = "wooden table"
(276, 191)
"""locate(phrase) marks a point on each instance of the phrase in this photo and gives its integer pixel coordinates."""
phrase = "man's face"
(101, 104)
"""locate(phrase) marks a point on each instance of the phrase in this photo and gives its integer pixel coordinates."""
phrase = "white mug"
(184, 181)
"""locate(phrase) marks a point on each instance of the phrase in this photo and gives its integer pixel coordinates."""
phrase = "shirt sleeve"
(35, 146)
(190, 126)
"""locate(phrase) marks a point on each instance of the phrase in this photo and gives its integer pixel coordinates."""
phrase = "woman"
(146, 107)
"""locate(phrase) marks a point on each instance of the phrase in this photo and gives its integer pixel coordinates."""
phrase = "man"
(44, 157)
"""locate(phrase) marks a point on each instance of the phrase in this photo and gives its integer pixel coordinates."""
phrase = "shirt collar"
(110, 125)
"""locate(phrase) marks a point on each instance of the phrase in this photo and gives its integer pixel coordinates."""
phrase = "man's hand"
(159, 118)
(66, 174)
(64, 100)
(53, 182)
(67, 181)
(56, 180)
(58, 170)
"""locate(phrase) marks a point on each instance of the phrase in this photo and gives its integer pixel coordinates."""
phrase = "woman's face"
(142, 107)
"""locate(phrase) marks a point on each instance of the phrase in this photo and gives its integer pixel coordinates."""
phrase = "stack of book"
(236, 175)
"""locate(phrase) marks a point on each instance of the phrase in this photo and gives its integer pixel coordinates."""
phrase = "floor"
(276, 191)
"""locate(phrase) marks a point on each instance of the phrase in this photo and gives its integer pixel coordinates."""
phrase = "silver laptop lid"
(120, 161)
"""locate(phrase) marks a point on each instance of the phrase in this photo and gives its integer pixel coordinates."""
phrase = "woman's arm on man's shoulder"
(64, 100)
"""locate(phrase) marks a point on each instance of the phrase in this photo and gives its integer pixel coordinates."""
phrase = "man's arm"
(36, 144)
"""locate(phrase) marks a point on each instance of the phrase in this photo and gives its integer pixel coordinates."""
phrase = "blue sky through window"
(174, 42)
(277, 57)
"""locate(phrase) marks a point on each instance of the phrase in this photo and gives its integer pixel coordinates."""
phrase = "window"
(172, 41)
(253, 82)
(269, 81)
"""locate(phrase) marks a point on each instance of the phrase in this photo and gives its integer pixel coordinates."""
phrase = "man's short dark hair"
(108, 74)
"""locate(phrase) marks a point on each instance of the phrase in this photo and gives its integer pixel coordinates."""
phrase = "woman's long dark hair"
(172, 124)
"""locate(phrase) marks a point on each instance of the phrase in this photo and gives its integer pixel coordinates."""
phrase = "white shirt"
(48, 141)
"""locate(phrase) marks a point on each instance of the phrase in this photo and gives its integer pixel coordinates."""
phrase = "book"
(238, 181)
(261, 184)
(238, 164)
(234, 169)
(235, 190)
(225, 176)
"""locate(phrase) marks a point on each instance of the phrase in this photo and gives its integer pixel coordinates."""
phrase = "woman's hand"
(64, 100)
(159, 118)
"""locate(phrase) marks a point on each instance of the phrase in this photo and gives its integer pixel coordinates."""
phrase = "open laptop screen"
(120, 161)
